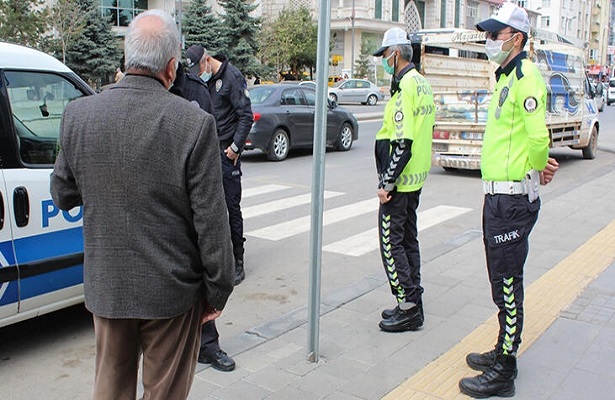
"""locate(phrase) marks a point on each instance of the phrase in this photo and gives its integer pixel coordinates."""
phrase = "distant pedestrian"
(257, 80)
(144, 164)
(403, 160)
(515, 160)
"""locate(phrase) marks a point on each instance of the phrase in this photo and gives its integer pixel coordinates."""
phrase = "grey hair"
(405, 51)
(150, 49)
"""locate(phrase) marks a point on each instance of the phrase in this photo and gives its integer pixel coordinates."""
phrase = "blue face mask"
(385, 64)
(206, 76)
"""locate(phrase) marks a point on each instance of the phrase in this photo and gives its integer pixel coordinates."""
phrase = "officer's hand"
(546, 175)
(231, 155)
(383, 196)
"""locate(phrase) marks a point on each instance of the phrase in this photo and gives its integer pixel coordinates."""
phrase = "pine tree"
(95, 54)
(362, 66)
(23, 22)
(201, 26)
(241, 31)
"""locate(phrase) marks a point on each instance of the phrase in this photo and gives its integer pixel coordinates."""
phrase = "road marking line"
(300, 225)
(283, 204)
(264, 189)
(364, 242)
(544, 301)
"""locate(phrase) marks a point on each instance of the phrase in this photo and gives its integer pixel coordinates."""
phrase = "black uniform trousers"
(231, 180)
(399, 245)
(507, 223)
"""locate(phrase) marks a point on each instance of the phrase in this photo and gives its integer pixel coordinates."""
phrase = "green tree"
(241, 32)
(67, 22)
(291, 40)
(363, 65)
(201, 26)
(95, 54)
(23, 22)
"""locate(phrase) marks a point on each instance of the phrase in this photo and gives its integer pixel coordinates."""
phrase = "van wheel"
(589, 152)
(280, 146)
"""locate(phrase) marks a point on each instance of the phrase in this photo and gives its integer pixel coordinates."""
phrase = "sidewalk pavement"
(567, 353)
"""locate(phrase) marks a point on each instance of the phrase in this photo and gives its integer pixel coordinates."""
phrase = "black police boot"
(403, 320)
(389, 312)
(240, 273)
(483, 361)
(499, 380)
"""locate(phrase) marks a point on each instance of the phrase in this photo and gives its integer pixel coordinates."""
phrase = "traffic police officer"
(515, 160)
(403, 159)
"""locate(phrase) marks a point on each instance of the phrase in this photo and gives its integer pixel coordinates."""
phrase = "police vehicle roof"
(20, 57)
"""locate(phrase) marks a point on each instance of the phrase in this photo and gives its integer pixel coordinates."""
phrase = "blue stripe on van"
(50, 245)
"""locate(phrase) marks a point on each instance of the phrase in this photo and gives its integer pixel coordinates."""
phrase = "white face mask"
(494, 52)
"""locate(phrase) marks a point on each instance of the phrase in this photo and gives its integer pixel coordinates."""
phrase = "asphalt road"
(52, 357)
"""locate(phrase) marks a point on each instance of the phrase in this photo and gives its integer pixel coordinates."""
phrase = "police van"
(41, 246)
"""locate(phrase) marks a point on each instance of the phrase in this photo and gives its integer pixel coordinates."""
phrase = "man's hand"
(546, 175)
(383, 196)
(231, 155)
(209, 314)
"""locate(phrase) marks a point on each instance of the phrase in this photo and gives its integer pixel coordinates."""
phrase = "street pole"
(318, 177)
(352, 50)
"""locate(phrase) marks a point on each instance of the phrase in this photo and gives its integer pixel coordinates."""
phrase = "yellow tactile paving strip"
(544, 300)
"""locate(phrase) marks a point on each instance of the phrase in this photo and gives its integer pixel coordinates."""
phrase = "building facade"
(358, 23)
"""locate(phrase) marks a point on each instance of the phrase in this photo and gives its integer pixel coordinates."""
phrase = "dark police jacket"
(231, 105)
(191, 88)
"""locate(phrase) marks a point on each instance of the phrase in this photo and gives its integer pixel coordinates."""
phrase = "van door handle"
(21, 206)
(1, 211)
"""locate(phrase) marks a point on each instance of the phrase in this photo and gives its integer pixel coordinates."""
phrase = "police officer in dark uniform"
(514, 162)
(232, 110)
(194, 89)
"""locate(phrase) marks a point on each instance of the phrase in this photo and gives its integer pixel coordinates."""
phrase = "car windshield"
(259, 94)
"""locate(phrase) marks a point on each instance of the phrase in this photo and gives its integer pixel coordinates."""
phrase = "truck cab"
(41, 246)
(455, 64)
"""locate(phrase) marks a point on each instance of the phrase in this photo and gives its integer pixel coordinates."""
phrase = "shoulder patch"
(218, 85)
(399, 116)
(530, 104)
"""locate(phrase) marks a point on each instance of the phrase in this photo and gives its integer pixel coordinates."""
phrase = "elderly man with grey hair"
(158, 260)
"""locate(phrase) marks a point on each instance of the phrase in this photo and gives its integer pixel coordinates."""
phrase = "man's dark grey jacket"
(145, 164)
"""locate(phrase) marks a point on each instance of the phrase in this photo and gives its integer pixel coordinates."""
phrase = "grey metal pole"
(318, 177)
(352, 50)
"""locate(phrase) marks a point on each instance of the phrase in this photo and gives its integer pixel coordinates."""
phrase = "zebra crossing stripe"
(302, 225)
(264, 189)
(362, 243)
(282, 204)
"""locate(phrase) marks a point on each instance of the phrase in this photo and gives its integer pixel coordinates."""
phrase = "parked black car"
(284, 120)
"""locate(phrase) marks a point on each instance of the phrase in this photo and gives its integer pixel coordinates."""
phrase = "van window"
(37, 102)
(612, 83)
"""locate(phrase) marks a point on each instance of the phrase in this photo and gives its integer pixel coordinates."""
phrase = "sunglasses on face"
(496, 35)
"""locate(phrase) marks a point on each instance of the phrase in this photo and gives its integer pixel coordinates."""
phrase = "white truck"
(463, 79)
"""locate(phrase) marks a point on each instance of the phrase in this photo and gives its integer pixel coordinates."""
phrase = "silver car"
(356, 91)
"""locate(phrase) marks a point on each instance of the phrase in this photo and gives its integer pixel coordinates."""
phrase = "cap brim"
(380, 51)
(490, 25)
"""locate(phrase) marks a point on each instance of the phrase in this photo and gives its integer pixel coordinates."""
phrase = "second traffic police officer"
(403, 159)
(515, 161)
